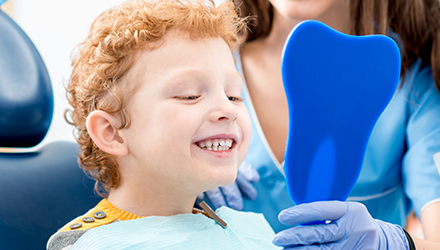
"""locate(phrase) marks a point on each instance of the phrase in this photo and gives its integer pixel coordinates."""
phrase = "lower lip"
(220, 154)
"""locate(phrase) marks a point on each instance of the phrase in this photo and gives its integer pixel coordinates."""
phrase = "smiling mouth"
(216, 144)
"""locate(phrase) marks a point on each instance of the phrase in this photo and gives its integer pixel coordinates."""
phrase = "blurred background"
(56, 27)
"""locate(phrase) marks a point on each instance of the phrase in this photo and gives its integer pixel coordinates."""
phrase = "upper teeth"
(216, 144)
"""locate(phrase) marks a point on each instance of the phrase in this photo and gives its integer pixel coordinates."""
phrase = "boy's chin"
(226, 183)
(218, 179)
(221, 182)
(227, 179)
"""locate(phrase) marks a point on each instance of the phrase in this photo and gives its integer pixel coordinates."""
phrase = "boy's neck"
(150, 202)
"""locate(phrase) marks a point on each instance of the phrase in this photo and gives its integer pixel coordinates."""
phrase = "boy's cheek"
(247, 125)
(246, 128)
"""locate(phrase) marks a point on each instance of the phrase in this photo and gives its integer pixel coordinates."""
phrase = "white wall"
(56, 27)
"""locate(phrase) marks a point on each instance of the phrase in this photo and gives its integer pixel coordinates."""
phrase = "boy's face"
(188, 99)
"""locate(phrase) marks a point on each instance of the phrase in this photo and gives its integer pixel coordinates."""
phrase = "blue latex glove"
(351, 227)
(2, 2)
(232, 195)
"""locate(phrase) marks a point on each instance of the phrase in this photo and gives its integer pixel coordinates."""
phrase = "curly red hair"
(109, 51)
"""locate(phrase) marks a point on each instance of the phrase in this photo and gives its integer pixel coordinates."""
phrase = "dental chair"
(40, 189)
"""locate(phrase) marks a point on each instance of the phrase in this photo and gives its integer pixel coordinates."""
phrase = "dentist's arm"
(430, 219)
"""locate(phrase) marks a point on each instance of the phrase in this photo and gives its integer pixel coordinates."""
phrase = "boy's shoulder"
(102, 214)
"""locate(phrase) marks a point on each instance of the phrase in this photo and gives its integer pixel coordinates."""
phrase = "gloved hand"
(232, 195)
(351, 227)
(2, 1)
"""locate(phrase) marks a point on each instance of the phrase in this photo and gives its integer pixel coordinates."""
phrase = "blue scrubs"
(398, 172)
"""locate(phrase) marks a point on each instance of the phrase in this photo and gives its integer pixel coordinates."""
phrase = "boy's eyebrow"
(186, 72)
(181, 79)
(184, 75)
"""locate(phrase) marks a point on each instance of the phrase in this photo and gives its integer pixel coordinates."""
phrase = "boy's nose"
(224, 110)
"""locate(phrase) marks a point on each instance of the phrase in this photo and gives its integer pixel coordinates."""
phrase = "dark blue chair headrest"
(26, 98)
(42, 190)
(39, 193)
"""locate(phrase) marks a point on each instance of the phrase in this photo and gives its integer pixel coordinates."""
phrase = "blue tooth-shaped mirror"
(337, 86)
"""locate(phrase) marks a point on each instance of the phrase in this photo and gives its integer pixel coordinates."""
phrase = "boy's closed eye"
(195, 97)
(235, 99)
(188, 97)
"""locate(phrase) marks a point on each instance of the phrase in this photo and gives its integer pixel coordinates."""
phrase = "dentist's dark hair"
(417, 22)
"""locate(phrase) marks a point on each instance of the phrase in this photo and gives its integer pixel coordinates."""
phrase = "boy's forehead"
(177, 50)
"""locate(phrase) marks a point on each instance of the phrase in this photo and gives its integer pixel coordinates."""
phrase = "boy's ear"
(102, 130)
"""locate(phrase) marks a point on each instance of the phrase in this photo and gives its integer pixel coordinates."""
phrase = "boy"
(159, 118)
